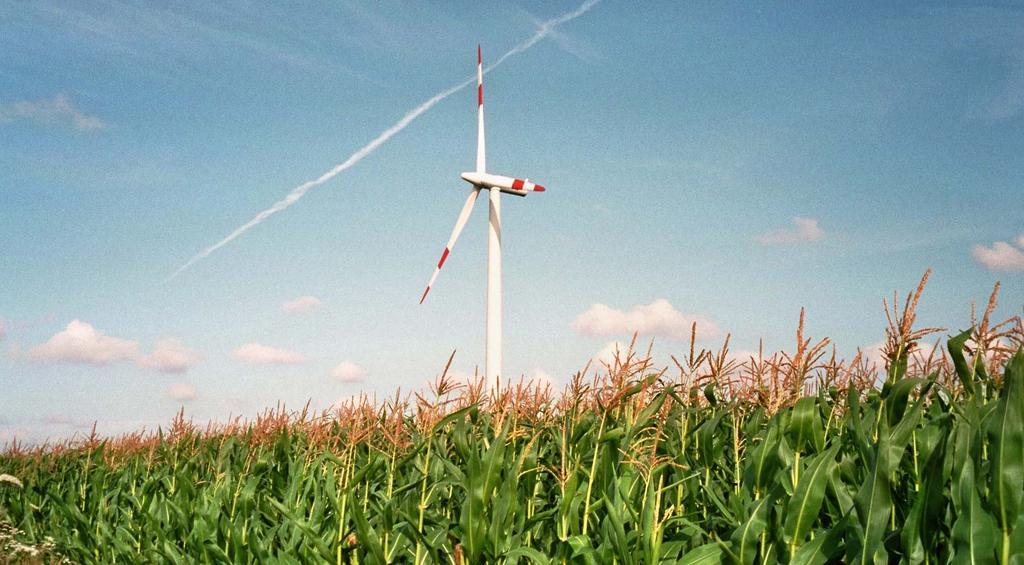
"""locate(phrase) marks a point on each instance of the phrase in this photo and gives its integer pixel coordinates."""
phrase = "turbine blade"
(481, 149)
(460, 223)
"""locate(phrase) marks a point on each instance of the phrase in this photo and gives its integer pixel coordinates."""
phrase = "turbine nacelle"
(508, 185)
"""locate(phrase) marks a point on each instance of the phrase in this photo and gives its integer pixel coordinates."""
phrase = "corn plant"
(794, 458)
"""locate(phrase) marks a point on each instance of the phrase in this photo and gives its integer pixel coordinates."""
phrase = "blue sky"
(678, 144)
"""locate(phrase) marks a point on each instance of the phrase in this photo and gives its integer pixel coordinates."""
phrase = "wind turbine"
(480, 179)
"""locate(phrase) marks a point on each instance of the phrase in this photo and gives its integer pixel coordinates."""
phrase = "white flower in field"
(10, 480)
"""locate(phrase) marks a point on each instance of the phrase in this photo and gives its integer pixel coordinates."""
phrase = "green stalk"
(917, 471)
(390, 493)
(736, 452)
(423, 498)
(590, 479)
(796, 467)
(346, 473)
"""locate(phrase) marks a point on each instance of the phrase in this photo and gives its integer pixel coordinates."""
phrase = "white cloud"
(659, 318)
(804, 229)
(183, 392)
(874, 354)
(170, 356)
(58, 111)
(12, 434)
(540, 377)
(608, 354)
(3, 330)
(63, 420)
(259, 354)
(301, 304)
(1002, 256)
(740, 356)
(349, 372)
(463, 377)
(79, 342)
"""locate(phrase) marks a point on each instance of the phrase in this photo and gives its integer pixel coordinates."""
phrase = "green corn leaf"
(923, 526)
(709, 394)
(896, 397)
(614, 528)
(805, 427)
(964, 371)
(612, 436)
(706, 554)
(763, 459)
(873, 504)
(581, 547)
(855, 426)
(745, 538)
(528, 552)
(911, 534)
(974, 531)
(368, 539)
(825, 546)
(902, 433)
(644, 418)
(841, 488)
(671, 551)
(1006, 445)
(1016, 553)
(456, 415)
(803, 507)
(711, 439)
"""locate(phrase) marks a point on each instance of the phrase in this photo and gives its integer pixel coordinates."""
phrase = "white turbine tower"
(495, 184)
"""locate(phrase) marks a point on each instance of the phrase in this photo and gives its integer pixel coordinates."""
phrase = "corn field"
(795, 457)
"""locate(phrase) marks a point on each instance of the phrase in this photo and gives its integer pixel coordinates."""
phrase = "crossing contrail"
(298, 192)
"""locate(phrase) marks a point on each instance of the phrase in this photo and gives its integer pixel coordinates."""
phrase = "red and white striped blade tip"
(526, 186)
(424, 297)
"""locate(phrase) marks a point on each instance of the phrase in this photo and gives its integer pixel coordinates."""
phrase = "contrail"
(298, 192)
